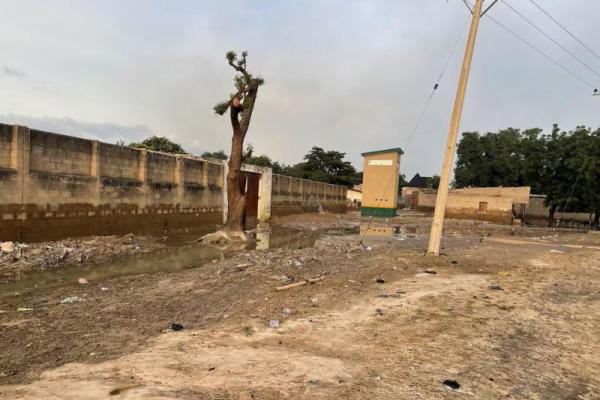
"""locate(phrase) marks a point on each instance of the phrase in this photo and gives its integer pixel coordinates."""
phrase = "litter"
(24, 309)
(274, 323)
(286, 311)
(496, 287)
(430, 271)
(380, 280)
(452, 384)
(176, 327)
(82, 281)
(69, 300)
(304, 282)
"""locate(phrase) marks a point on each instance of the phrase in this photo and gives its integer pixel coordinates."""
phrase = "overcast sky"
(345, 75)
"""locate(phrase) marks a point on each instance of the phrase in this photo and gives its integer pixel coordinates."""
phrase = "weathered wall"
(466, 203)
(293, 196)
(53, 186)
(536, 210)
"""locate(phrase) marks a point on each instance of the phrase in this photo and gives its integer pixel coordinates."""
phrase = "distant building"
(354, 196)
(419, 181)
(380, 182)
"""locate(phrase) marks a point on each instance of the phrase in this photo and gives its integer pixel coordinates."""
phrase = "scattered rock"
(452, 384)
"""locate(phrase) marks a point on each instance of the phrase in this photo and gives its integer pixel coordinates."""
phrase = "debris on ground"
(496, 287)
(16, 258)
(430, 271)
(379, 311)
(7, 247)
(70, 300)
(82, 281)
(302, 283)
(286, 311)
(379, 280)
(274, 323)
(452, 384)
(24, 309)
(176, 327)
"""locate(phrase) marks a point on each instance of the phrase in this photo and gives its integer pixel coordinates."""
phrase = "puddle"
(175, 258)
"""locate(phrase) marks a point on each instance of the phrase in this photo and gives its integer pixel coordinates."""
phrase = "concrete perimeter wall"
(53, 186)
(294, 196)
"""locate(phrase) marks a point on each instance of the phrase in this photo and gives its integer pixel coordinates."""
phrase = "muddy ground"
(511, 313)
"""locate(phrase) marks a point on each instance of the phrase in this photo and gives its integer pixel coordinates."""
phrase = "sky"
(345, 75)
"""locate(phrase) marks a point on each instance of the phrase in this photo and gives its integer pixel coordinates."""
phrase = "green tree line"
(563, 165)
(318, 164)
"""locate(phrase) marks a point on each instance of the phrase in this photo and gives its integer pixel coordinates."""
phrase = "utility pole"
(442, 194)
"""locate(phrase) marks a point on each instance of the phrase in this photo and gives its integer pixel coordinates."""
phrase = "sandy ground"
(511, 313)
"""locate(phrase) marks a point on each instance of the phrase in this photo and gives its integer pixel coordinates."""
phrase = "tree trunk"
(236, 200)
(551, 215)
(596, 223)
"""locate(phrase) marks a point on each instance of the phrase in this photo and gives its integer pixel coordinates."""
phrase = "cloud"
(12, 72)
(106, 132)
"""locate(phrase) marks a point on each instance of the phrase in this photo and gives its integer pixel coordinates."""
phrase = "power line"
(551, 38)
(579, 78)
(435, 87)
(565, 29)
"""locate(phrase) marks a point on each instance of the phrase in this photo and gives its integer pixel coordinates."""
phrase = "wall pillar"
(96, 171)
(20, 153)
(143, 177)
(179, 180)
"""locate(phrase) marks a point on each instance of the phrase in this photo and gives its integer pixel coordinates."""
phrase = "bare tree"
(240, 106)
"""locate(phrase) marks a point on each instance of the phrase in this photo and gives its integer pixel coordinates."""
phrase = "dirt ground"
(504, 312)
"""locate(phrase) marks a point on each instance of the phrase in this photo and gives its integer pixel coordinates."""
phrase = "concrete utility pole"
(442, 194)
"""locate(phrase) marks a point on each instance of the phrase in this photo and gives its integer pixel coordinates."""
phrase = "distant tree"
(433, 182)
(240, 105)
(326, 166)
(162, 144)
(565, 166)
(217, 155)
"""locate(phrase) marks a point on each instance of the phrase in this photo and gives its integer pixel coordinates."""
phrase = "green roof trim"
(392, 150)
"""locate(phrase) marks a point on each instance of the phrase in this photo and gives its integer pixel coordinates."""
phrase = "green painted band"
(378, 212)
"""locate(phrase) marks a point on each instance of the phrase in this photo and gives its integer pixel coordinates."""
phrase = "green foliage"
(244, 82)
(161, 144)
(433, 182)
(326, 166)
(217, 155)
(221, 108)
(565, 166)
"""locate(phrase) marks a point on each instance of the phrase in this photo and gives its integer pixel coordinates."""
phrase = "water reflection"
(174, 258)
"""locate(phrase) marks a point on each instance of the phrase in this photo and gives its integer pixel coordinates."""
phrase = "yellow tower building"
(380, 182)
